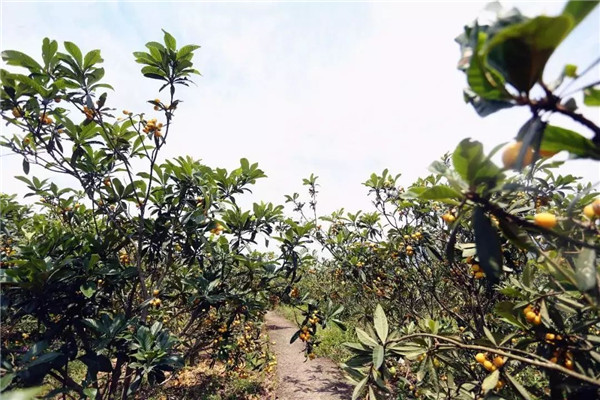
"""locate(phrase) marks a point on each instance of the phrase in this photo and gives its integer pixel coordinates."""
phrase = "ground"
(301, 379)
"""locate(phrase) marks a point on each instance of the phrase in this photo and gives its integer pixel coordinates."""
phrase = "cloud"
(341, 90)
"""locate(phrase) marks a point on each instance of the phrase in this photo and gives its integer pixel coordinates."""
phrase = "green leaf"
(5, 381)
(578, 10)
(13, 57)
(365, 338)
(75, 52)
(49, 49)
(359, 389)
(88, 289)
(488, 246)
(519, 388)
(440, 192)
(186, 50)
(591, 97)
(22, 394)
(26, 166)
(169, 40)
(381, 323)
(90, 392)
(489, 335)
(490, 381)
(520, 51)
(466, 158)
(482, 106)
(585, 269)
(485, 82)
(557, 139)
(378, 356)
(91, 58)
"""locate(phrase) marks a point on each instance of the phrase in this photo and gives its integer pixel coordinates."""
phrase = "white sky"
(336, 89)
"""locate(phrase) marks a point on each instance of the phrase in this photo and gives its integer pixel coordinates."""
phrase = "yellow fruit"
(488, 365)
(588, 211)
(550, 336)
(511, 154)
(475, 268)
(498, 361)
(545, 220)
(537, 320)
(527, 309)
(448, 218)
(157, 302)
(480, 358)
(530, 316)
(479, 275)
(568, 364)
(155, 292)
(554, 360)
(436, 363)
(499, 385)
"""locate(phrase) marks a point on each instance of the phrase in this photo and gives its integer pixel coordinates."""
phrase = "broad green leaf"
(6, 380)
(91, 58)
(578, 10)
(585, 269)
(490, 381)
(13, 57)
(22, 394)
(378, 356)
(482, 106)
(485, 82)
(186, 50)
(170, 40)
(365, 338)
(49, 48)
(381, 323)
(490, 336)
(75, 52)
(90, 392)
(88, 289)
(519, 388)
(520, 51)
(440, 192)
(359, 389)
(591, 97)
(557, 139)
(488, 246)
(466, 158)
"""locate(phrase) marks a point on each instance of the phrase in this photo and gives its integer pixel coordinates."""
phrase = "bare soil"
(299, 378)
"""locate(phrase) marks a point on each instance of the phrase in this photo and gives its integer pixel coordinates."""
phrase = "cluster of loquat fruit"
(45, 120)
(476, 270)
(124, 258)
(155, 302)
(489, 363)
(152, 127)
(218, 229)
(89, 113)
(532, 315)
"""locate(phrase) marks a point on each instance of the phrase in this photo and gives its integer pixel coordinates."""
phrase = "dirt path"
(318, 379)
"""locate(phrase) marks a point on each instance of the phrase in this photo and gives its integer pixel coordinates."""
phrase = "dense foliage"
(139, 266)
(476, 281)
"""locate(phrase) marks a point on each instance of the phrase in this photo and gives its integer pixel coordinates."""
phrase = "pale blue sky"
(336, 89)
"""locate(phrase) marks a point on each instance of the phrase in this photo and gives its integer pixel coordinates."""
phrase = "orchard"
(477, 281)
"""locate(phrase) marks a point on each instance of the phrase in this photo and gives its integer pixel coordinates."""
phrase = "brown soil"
(299, 378)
